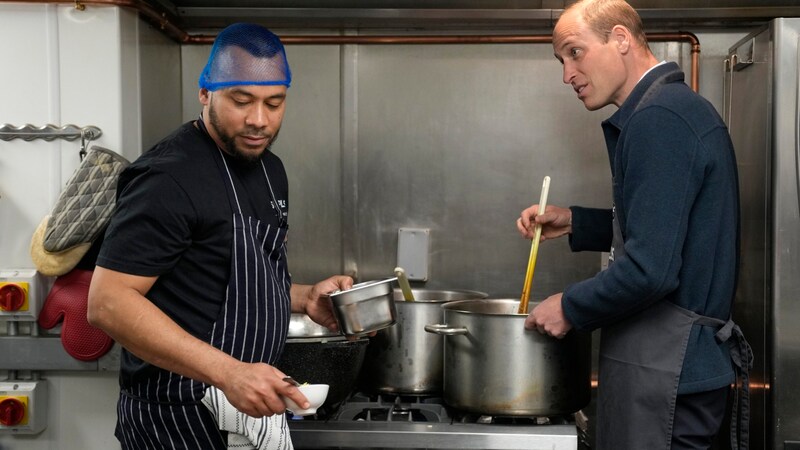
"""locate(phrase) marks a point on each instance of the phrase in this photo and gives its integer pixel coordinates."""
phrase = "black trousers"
(698, 418)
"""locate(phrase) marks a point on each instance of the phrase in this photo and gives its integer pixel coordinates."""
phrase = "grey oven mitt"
(87, 201)
(80, 214)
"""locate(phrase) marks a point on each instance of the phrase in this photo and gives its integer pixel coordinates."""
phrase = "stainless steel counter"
(352, 435)
(408, 422)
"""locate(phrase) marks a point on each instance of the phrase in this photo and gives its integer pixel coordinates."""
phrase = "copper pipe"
(683, 36)
(166, 23)
(753, 385)
(461, 39)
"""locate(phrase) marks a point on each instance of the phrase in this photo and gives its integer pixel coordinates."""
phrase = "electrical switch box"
(412, 252)
(23, 407)
(22, 294)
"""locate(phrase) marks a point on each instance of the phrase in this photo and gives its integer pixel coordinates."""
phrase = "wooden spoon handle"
(526, 288)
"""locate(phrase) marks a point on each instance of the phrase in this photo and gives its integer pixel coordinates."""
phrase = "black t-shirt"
(174, 220)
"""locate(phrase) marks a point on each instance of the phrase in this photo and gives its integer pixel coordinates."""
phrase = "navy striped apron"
(165, 411)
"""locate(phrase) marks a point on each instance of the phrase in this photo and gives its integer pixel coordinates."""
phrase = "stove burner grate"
(513, 420)
(392, 408)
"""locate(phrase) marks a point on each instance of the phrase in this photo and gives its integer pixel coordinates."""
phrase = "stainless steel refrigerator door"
(747, 115)
(785, 312)
(762, 114)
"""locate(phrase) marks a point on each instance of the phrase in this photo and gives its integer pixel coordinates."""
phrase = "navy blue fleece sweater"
(675, 191)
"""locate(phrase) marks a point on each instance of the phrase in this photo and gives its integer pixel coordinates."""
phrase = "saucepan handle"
(445, 330)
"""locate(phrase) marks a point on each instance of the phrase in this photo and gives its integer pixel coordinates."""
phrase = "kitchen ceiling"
(204, 16)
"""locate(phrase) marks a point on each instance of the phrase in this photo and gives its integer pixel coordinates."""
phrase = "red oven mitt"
(68, 302)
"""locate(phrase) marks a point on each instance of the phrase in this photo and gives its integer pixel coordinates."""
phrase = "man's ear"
(623, 38)
(205, 96)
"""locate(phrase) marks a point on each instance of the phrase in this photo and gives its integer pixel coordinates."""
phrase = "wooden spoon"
(537, 235)
(402, 280)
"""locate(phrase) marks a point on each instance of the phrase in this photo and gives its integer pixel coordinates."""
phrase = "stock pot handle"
(445, 330)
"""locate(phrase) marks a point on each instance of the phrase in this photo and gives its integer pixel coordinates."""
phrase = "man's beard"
(230, 144)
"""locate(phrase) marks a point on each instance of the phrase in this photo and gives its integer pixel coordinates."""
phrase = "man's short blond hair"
(602, 15)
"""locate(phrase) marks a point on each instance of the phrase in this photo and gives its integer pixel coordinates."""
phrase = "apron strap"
(225, 173)
(742, 358)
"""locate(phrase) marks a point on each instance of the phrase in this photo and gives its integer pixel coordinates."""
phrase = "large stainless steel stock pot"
(492, 365)
(404, 358)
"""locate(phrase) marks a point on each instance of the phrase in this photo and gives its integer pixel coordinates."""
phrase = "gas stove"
(420, 422)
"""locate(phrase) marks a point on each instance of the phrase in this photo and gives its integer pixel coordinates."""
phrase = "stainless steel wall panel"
(457, 139)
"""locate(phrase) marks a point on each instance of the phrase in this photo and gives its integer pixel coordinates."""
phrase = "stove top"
(419, 422)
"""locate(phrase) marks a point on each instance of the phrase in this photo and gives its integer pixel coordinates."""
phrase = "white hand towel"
(246, 432)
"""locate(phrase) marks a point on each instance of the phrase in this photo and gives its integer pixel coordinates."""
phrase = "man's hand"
(555, 221)
(316, 304)
(548, 318)
(255, 390)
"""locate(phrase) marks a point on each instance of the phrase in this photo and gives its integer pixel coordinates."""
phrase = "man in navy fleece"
(664, 303)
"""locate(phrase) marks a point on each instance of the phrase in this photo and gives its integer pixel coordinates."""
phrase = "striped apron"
(165, 411)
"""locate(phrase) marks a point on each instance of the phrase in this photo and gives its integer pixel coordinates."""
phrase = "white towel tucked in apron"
(246, 432)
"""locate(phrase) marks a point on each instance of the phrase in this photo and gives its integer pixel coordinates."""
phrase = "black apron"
(639, 370)
(252, 326)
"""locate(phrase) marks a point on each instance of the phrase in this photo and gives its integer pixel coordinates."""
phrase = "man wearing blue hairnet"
(192, 278)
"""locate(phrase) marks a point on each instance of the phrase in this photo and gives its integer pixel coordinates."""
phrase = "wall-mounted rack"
(49, 132)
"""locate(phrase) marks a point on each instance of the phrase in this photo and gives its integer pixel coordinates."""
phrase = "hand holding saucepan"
(548, 318)
(318, 306)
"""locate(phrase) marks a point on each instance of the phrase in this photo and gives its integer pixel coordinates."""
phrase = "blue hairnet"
(246, 54)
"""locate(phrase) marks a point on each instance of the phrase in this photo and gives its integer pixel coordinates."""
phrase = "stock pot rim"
(458, 306)
(422, 295)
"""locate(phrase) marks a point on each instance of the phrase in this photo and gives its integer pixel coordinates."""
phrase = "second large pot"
(493, 366)
(403, 358)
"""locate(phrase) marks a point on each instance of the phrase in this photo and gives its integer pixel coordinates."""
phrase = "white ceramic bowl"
(316, 395)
